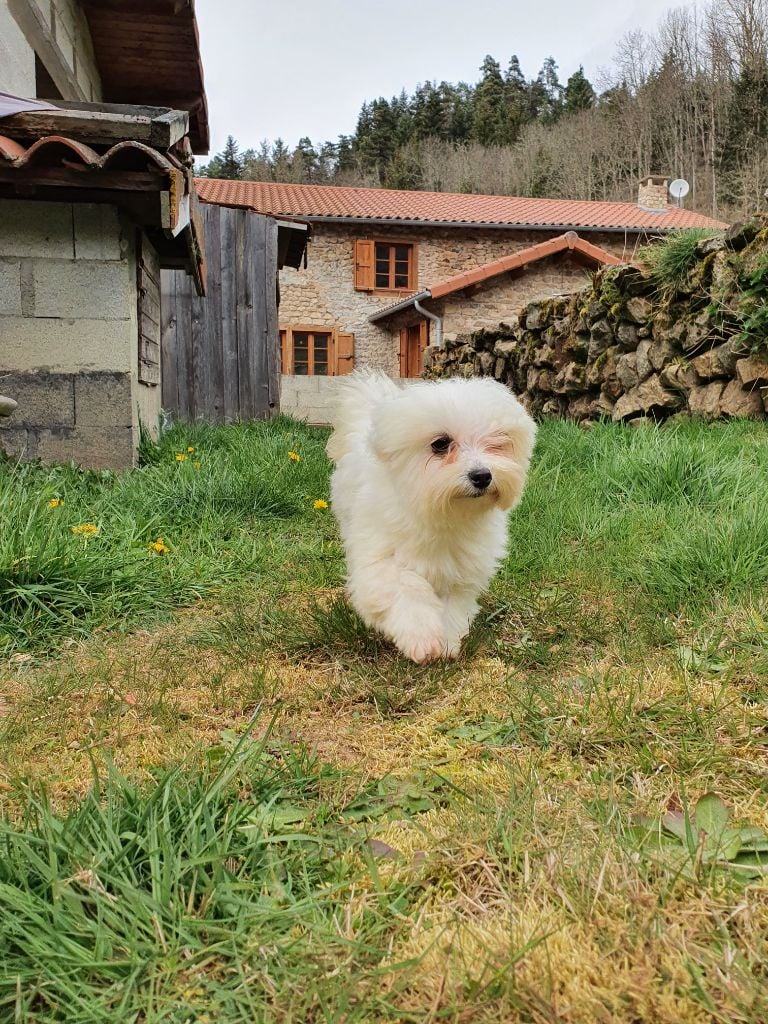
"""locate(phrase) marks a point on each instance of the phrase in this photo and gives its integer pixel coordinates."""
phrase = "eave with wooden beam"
(156, 189)
(101, 124)
(148, 51)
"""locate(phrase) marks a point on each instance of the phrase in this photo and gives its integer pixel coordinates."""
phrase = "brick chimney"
(652, 194)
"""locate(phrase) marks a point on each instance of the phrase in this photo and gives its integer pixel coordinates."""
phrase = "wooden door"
(413, 340)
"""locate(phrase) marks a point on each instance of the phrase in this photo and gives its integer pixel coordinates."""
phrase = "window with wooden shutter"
(308, 351)
(364, 255)
(385, 265)
(148, 288)
(345, 353)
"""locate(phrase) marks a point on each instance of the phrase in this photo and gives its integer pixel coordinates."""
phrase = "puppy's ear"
(379, 449)
(384, 438)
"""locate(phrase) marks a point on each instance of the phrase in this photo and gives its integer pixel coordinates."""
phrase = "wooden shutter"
(424, 335)
(285, 351)
(364, 265)
(403, 352)
(344, 345)
(413, 267)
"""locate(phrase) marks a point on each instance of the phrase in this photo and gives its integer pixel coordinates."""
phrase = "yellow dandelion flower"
(85, 530)
(320, 504)
(159, 546)
(55, 503)
(294, 456)
(190, 449)
(181, 456)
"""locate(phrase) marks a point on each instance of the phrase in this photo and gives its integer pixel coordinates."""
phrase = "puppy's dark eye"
(441, 444)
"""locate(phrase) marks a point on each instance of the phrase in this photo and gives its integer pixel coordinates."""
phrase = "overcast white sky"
(303, 67)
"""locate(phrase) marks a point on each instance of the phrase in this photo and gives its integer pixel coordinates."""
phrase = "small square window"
(394, 266)
(306, 353)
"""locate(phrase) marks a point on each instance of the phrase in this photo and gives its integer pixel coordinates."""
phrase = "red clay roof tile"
(381, 205)
(57, 149)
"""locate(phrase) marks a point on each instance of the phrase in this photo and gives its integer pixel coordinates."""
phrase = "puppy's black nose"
(481, 478)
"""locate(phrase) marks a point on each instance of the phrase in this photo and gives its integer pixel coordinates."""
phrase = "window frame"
(413, 265)
(340, 350)
(392, 244)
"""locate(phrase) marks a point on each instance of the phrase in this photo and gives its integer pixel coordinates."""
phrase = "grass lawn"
(223, 800)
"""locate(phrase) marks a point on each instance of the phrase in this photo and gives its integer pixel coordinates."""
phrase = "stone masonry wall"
(69, 335)
(323, 294)
(622, 349)
(487, 307)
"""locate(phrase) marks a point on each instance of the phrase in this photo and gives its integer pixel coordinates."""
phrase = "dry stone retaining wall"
(619, 349)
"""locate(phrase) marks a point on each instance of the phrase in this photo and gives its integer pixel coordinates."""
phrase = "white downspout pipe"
(436, 320)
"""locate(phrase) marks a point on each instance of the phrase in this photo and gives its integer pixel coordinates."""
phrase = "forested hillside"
(689, 100)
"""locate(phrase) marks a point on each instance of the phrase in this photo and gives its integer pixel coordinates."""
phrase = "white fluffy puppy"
(425, 478)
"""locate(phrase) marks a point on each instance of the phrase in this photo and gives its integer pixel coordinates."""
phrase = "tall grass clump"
(671, 259)
(203, 893)
(660, 517)
(80, 549)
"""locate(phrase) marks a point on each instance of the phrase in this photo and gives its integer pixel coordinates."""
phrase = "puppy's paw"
(452, 649)
(423, 648)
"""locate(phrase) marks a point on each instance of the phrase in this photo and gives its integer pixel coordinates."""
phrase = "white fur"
(421, 543)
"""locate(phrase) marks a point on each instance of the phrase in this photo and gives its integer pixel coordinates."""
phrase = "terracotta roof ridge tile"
(521, 258)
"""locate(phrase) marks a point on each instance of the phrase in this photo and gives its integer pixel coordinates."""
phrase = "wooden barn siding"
(220, 353)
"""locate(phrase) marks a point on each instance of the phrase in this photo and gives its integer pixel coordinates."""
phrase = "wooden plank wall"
(220, 353)
(148, 268)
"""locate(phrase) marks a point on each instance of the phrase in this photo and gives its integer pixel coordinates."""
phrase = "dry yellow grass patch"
(528, 907)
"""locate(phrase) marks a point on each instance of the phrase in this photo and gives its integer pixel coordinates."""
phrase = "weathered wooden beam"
(32, 22)
(85, 177)
(100, 127)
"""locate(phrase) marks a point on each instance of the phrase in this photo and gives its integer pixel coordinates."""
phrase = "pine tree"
(280, 158)
(747, 127)
(550, 92)
(404, 170)
(516, 94)
(305, 161)
(431, 112)
(461, 115)
(578, 94)
(231, 166)
(376, 144)
(489, 121)
(226, 164)
(344, 153)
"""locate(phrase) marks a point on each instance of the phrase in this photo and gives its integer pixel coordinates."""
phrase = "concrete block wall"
(69, 334)
(17, 58)
(66, 28)
(308, 398)
(70, 31)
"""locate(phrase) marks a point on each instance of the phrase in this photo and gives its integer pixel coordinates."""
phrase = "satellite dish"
(679, 188)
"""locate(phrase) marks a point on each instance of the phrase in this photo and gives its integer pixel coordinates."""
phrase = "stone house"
(102, 106)
(390, 273)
